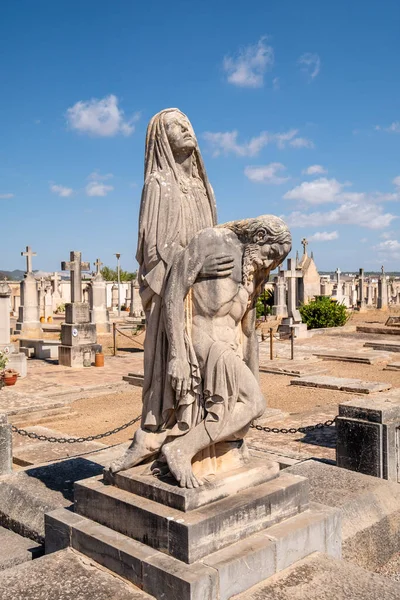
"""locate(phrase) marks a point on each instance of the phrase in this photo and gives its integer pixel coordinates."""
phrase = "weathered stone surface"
(166, 491)
(285, 368)
(320, 577)
(134, 379)
(77, 312)
(342, 383)
(388, 346)
(5, 445)
(64, 575)
(370, 510)
(15, 549)
(190, 536)
(394, 366)
(217, 576)
(379, 330)
(366, 359)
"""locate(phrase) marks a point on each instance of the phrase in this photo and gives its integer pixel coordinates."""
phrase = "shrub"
(323, 312)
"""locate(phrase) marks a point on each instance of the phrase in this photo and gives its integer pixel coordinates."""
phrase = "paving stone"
(15, 549)
(278, 368)
(65, 575)
(320, 577)
(342, 383)
(378, 330)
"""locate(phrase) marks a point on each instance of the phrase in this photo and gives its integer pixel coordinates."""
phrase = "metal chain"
(79, 440)
(305, 429)
(130, 337)
(90, 438)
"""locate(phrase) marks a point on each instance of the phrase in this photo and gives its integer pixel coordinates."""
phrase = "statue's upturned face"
(180, 133)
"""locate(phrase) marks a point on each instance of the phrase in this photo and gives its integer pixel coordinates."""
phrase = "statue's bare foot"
(180, 465)
(144, 445)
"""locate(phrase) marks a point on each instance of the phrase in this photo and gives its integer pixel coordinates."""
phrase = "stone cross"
(75, 266)
(98, 264)
(28, 255)
(305, 244)
(292, 274)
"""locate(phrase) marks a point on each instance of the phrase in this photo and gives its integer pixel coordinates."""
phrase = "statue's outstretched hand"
(179, 374)
(217, 265)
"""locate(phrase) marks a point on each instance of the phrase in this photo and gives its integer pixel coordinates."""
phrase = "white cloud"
(318, 191)
(247, 69)
(96, 187)
(323, 236)
(367, 215)
(364, 240)
(266, 174)
(276, 84)
(314, 170)
(389, 250)
(226, 142)
(310, 64)
(394, 127)
(6, 196)
(62, 191)
(396, 181)
(102, 118)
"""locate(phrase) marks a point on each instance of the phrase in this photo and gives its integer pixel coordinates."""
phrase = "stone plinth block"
(219, 575)
(368, 436)
(78, 334)
(188, 536)
(5, 446)
(77, 312)
(73, 356)
(18, 361)
(166, 491)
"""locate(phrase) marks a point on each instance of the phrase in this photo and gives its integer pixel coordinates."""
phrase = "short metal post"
(271, 343)
(115, 338)
(292, 344)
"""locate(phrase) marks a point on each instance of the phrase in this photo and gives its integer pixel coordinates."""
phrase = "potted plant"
(10, 376)
(3, 363)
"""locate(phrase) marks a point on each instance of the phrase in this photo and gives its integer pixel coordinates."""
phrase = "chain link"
(90, 438)
(305, 429)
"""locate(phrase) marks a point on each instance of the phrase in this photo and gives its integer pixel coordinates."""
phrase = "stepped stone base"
(239, 530)
(72, 356)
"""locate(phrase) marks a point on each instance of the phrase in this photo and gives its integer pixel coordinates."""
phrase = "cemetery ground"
(66, 402)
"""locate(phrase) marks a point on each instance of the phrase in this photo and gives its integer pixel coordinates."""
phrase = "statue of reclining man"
(213, 363)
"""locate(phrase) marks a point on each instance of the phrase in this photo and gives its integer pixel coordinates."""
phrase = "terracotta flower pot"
(99, 359)
(10, 379)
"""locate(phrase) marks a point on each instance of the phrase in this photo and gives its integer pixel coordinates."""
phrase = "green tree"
(264, 304)
(323, 312)
(112, 275)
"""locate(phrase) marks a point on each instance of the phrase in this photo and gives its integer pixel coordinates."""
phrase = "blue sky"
(296, 106)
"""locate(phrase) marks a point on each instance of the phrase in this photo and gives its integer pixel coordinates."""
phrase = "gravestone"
(293, 320)
(28, 324)
(368, 436)
(309, 284)
(16, 360)
(280, 309)
(136, 308)
(382, 291)
(98, 301)
(78, 334)
(370, 298)
(114, 297)
(56, 295)
(361, 297)
(48, 304)
(338, 293)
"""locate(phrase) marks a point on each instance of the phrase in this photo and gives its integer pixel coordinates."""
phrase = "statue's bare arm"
(250, 342)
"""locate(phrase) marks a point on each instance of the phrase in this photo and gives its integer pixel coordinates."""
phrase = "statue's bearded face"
(264, 253)
(180, 133)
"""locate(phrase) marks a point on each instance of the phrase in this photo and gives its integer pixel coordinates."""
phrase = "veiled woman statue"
(177, 202)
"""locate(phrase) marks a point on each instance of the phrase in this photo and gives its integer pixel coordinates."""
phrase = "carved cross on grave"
(75, 266)
(98, 264)
(304, 244)
(55, 278)
(292, 274)
(28, 255)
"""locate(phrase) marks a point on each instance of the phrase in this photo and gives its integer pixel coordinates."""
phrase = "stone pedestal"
(16, 360)
(98, 305)
(78, 337)
(368, 436)
(382, 301)
(201, 544)
(28, 323)
(5, 446)
(288, 324)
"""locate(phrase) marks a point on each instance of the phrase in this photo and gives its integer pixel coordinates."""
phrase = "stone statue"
(177, 202)
(213, 351)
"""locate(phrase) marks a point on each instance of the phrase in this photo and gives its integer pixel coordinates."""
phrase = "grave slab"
(370, 509)
(15, 549)
(343, 384)
(324, 578)
(366, 359)
(63, 576)
(292, 369)
(378, 330)
(387, 346)
(394, 366)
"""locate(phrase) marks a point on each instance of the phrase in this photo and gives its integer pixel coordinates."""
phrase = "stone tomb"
(208, 543)
(78, 334)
